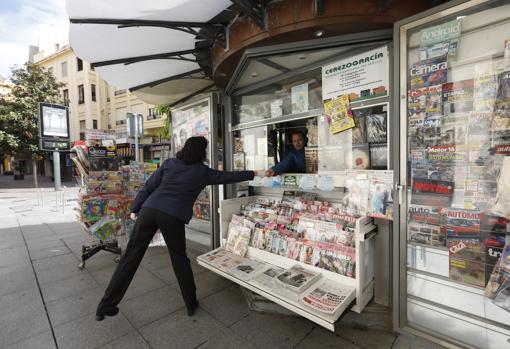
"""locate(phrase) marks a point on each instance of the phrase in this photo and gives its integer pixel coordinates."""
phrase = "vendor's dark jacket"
(293, 162)
(174, 187)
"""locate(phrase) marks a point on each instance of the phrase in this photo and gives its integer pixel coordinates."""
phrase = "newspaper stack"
(328, 297)
(297, 279)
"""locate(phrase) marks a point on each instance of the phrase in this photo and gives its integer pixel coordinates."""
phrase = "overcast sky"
(29, 22)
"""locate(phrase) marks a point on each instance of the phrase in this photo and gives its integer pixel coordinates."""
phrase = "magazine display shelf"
(362, 285)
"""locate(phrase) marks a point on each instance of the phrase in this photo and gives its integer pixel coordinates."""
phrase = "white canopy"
(121, 37)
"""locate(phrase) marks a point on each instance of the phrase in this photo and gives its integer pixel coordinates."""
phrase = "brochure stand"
(362, 285)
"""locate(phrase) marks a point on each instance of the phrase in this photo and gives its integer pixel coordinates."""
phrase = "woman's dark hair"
(194, 151)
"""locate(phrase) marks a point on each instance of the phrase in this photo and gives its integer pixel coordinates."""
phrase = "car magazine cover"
(380, 194)
(467, 261)
(462, 223)
(502, 104)
(328, 297)
(297, 278)
(457, 97)
(429, 72)
(430, 192)
(426, 234)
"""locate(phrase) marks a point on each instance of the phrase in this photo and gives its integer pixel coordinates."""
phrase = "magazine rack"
(362, 285)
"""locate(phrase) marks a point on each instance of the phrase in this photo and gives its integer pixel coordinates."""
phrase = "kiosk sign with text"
(53, 126)
(360, 77)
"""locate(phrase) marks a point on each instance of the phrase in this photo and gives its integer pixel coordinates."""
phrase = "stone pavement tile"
(14, 256)
(155, 250)
(208, 283)
(227, 306)
(41, 231)
(86, 332)
(156, 261)
(53, 262)
(59, 272)
(152, 306)
(226, 339)
(103, 276)
(16, 278)
(73, 307)
(367, 338)
(130, 341)
(40, 341)
(166, 274)
(22, 316)
(49, 252)
(181, 331)
(197, 269)
(143, 282)
(42, 243)
(412, 342)
(10, 237)
(321, 338)
(68, 287)
(64, 227)
(272, 331)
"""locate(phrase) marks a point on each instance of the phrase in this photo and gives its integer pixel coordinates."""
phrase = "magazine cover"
(311, 159)
(299, 98)
(340, 261)
(359, 132)
(379, 156)
(355, 200)
(339, 114)
(467, 271)
(380, 194)
(297, 278)
(360, 157)
(492, 257)
(500, 278)
(239, 164)
(462, 223)
(328, 297)
(426, 214)
(430, 192)
(429, 72)
(377, 128)
(502, 104)
(485, 90)
(440, 40)
(247, 269)
(457, 97)
(427, 234)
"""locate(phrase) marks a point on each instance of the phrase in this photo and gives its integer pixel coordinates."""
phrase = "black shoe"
(191, 310)
(110, 312)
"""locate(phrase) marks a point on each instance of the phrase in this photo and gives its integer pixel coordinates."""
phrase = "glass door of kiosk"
(198, 118)
(452, 67)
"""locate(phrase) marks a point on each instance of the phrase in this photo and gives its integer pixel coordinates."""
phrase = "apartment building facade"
(94, 104)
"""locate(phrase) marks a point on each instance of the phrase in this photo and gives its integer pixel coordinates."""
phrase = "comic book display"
(457, 148)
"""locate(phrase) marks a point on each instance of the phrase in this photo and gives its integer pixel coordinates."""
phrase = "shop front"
(386, 131)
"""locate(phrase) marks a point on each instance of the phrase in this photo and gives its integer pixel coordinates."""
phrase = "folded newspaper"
(247, 269)
(213, 256)
(297, 278)
(328, 297)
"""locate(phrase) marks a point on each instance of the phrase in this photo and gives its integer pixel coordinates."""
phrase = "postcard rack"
(362, 284)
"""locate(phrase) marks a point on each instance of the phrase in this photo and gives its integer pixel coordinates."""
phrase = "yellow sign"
(339, 114)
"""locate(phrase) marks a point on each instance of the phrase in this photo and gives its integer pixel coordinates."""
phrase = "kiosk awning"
(147, 47)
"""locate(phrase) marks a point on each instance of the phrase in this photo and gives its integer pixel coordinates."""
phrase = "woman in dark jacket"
(166, 203)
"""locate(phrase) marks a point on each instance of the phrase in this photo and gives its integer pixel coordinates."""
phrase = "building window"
(119, 92)
(79, 63)
(66, 96)
(82, 130)
(63, 66)
(94, 124)
(81, 94)
(153, 114)
(93, 92)
(50, 70)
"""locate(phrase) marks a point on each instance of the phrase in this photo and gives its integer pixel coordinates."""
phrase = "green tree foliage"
(19, 132)
(166, 131)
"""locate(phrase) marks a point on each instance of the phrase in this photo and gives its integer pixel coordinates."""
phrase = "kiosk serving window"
(455, 73)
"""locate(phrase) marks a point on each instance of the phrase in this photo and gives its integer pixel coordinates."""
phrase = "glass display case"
(195, 118)
(455, 142)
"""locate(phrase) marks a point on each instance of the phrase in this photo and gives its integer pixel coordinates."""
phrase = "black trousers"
(147, 223)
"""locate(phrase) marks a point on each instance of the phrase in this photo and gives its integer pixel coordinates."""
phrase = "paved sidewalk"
(46, 302)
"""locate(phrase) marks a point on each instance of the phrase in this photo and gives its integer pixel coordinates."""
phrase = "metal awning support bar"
(196, 93)
(252, 9)
(170, 78)
(168, 55)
